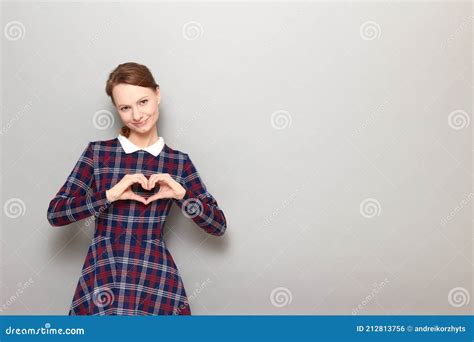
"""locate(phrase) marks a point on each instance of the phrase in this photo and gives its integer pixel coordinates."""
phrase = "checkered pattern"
(128, 270)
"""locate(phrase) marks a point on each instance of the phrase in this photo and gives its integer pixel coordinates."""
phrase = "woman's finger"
(138, 178)
(152, 181)
(144, 181)
(138, 198)
(162, 178)
(159, 178)
(168, 180)
(155, 197)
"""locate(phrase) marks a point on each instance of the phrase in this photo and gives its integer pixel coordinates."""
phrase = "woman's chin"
(146, 128)
(141, 130)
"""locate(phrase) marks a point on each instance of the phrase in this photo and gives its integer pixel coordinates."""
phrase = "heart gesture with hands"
(169, 188)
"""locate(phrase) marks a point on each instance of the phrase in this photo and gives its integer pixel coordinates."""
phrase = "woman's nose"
(136, 116)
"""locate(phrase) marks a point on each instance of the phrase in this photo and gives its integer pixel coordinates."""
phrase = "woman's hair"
(130, 73)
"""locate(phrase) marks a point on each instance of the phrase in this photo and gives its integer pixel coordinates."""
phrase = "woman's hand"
(169, 188)
(123, 189)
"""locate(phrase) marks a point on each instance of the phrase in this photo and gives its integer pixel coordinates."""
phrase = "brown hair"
(130, 73)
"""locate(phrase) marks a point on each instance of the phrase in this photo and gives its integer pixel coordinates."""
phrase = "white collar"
(130, 147)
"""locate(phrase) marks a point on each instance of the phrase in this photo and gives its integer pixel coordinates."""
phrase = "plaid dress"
(128, 270)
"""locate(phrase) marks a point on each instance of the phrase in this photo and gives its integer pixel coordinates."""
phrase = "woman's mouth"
(141, 123)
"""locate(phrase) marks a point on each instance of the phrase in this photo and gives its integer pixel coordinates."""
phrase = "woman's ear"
(157, 95)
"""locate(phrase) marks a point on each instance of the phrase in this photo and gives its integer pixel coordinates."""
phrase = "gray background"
(336, 137)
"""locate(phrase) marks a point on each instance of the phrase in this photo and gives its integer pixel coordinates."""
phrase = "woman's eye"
(124, 108)
(144, 101)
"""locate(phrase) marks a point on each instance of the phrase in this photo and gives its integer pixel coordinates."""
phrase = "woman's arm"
(198, 204)
(78, 198)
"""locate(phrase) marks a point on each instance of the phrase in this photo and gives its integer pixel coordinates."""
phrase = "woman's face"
(137, 106)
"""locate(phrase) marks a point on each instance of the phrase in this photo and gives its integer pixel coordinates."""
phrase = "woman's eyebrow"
(137, 100)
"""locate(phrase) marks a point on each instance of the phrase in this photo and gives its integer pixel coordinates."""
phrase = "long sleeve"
(78, 198)
(198, 204)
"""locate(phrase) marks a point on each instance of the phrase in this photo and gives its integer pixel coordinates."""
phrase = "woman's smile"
(141, 123)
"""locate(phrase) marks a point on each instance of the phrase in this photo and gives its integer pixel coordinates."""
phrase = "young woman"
(127, 186)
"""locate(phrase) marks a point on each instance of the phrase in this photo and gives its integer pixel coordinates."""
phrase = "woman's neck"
(144, 140)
